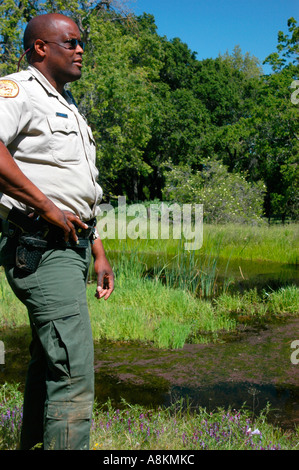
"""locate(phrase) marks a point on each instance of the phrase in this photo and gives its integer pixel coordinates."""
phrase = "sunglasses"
(72, 42)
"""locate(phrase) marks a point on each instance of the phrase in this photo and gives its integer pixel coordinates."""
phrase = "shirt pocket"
(65, 140)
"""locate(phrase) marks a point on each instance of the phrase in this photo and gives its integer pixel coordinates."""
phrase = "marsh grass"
(277, 243)
(147, 310)
(199, 276)
(178, 427)
(177, 299)
(164, 309)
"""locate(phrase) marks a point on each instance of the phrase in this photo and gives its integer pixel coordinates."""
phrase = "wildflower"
(253, 433)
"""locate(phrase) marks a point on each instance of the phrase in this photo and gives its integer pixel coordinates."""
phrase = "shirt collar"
(47, 85)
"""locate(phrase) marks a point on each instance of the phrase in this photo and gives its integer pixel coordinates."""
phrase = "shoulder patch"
(8, 89)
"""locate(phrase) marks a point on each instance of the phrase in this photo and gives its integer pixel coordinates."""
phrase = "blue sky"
(215, 26)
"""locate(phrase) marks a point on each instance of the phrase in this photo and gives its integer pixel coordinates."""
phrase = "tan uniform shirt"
(51, 143)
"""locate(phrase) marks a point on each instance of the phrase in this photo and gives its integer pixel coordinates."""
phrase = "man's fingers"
(105, 287)
(103, 293)
(72, 234)
(73, 221)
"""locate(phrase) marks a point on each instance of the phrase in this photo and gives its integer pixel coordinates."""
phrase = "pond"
(252, 366)
(239, 274)
(261, 275)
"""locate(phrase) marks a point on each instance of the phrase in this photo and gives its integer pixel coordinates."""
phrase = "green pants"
(59, 388)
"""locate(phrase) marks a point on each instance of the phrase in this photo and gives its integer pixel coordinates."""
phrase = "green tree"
(246, 63)
(287, 48)
(115, 94)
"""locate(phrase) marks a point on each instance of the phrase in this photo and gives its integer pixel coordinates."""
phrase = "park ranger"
(48, 207)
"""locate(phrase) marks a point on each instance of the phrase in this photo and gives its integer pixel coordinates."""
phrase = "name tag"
(62, 115)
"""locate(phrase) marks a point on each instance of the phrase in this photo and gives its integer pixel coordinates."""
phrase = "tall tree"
(115, 94)
(287, 48)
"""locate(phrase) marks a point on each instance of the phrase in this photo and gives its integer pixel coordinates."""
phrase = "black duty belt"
(35, 235)
(18, 222)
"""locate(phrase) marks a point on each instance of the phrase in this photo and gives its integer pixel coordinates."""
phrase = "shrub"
(226, 197)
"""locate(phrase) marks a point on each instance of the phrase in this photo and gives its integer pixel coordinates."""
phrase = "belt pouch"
(29, 252)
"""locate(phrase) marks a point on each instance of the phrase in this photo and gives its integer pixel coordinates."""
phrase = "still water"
(252, 367)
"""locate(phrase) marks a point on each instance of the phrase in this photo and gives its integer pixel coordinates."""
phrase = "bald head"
(40, 26)
(55, 47)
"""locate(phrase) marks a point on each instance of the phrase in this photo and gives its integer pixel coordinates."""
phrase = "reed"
(277, 243)
(144, 309)
(175, 300)
(197, 275)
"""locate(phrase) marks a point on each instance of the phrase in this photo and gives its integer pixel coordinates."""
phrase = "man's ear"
(39, 47)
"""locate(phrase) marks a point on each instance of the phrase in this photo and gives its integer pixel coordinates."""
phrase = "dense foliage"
(165, 121)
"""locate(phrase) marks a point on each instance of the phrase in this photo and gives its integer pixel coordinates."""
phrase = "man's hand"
(66, 220)
(105, 276)
(14, 183)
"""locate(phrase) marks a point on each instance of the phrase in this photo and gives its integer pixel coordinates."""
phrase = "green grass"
(177, 427)
(146, 310)
(12, 312)
(276, 243)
